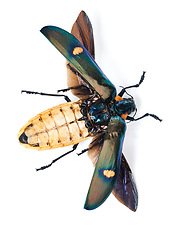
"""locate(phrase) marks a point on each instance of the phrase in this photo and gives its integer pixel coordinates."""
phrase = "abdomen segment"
(56, 127)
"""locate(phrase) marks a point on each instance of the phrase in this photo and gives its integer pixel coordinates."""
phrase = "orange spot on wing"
(108, 173)
(77, 50)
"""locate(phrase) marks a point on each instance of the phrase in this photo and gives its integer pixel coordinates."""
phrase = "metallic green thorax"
(127, 105)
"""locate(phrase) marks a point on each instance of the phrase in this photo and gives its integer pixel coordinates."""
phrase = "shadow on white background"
(129, 37)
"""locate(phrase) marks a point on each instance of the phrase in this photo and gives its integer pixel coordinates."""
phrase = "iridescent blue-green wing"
(125, 188)
(81, 60)
(108, 164)
(83, 31)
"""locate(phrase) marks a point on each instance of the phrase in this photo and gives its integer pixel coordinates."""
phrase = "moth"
(99, 113)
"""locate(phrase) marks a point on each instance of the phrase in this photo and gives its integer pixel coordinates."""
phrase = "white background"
(130, 36)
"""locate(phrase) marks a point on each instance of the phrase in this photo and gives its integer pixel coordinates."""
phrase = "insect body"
(99, 113)
(56, 127)
(68, 124)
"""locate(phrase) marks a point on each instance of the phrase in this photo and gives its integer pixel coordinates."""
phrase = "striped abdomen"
(56, 127)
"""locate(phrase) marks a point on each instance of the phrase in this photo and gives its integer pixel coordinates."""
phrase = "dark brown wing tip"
(82, 13)
(83, 31)
(125, 188)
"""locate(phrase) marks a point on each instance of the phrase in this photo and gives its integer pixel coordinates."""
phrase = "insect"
(99, 114)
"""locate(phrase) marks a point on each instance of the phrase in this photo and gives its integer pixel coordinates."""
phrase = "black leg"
(49, 165)
(82, 87)
(136, 85)
(78, 74)
(83, 151)
(145, 115)
(96, 142)
(47, 94)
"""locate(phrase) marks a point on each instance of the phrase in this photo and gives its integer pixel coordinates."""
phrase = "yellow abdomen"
(56, 127)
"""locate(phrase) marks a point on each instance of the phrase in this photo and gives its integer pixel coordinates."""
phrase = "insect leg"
(83, 151)
(49, 165)
(47, 94)
(132, 86)
(145, 115)
(94, 143)
(85, 89)
(77, 87)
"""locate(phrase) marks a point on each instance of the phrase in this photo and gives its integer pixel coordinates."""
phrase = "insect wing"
(125, 188)
(81, 60)
(95, 147)
(82, 30)
(108, 164)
